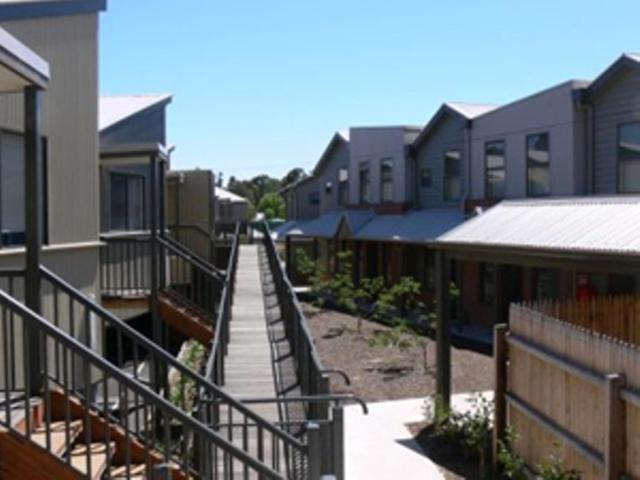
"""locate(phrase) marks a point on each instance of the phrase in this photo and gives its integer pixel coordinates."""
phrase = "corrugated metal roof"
(414, 226)
(114, 109)
(223, 194)
(589, 224)
(327, 225)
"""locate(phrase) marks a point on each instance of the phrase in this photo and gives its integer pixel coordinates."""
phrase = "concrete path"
(379, 446)
(248, 366)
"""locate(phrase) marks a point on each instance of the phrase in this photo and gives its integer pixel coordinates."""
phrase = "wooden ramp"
(248, 366)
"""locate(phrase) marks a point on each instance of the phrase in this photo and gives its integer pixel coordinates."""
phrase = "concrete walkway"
(379, 446)
(248, 364)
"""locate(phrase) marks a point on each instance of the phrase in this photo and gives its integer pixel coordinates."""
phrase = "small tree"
(272, 205)
(403, 336)
(312, 270)
(340, 285)
(400, 300)
(367, 294)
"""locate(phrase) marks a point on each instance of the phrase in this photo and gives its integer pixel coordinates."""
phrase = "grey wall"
(551, 111)
(448, 134)
(146, 127)
(303, 210)
(70, 119)
(338, 158)
(617, 103)
(372, 144)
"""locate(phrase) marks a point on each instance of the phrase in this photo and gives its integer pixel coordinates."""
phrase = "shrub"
(511, 464)
(471, 429)
(403, 336)
(399, 300)
(553, 469)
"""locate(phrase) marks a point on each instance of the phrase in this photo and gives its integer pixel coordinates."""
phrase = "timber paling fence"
(568, 383)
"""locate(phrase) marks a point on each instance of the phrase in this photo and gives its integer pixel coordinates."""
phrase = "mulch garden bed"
(382, 373)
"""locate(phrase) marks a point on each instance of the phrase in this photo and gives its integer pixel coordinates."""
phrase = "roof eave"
(39, 9)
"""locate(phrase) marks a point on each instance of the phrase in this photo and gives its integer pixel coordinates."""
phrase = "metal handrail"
(215, 364)
(179, 248)
(145, 343)
(327, 398)
(91, 360)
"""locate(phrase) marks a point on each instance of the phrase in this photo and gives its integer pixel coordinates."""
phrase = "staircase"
(62, 444)
(186, 317)
(70, 429)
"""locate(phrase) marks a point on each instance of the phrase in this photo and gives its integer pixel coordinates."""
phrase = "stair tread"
(98, 453)
(58, 435)
(136, 472)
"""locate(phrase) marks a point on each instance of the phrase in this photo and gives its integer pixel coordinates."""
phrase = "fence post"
(614, 440)
(500, 388)
(314, 452)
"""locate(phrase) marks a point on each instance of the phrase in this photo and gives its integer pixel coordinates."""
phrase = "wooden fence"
(567, 388)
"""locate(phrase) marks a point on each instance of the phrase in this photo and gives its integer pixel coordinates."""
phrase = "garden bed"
(388, 373)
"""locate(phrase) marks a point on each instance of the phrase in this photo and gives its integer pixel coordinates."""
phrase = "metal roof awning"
(20, 66)
(328, 225)
(416, 226)
(589, 227)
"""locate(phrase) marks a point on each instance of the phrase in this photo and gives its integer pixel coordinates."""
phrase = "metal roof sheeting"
(327, 225)
(593, 225)
(115, 109)
(224, 194)
(416, 226)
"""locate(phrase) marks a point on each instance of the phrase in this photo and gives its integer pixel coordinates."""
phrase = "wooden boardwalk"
(249, 371)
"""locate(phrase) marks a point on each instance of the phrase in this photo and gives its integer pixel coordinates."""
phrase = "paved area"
(379, 446)
(249, 370)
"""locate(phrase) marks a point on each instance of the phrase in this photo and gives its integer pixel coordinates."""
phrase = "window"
(343, 186)
(538, 165)
(495, 175)
(12, 198)
(629, 158)
(314, 198)
(365, 183)
(127, 201)
(452, 182)
(487, 283)
(386, 180)
(426, 177)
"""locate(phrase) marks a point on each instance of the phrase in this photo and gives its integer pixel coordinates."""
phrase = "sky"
(260, 86)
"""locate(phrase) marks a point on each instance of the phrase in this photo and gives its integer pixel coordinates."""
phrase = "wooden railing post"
(500, 388)
(614, 440)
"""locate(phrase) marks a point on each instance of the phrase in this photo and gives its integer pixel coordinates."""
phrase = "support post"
(156, 322)
(500, 388)
(288, 256)
(443, 329)
(337, 415)
(314, 442)
(614, 440)
(33, 234)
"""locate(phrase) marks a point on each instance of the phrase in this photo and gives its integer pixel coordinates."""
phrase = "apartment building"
(65, 36)
(572, 140)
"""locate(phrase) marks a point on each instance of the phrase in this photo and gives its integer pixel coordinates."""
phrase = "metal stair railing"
(196, 393)
(219, 346)
(168, 434)
(196, 238)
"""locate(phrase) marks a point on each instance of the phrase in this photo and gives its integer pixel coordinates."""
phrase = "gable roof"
(20, 65)
(224, 194)
(461, 110)
(23, 9)
(626, 60)
(337, 139)
(606, 225)
(115, 109)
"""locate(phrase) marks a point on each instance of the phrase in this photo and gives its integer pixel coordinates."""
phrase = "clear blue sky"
(260, 86)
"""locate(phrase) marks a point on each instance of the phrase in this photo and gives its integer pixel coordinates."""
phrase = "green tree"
(272, 205)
